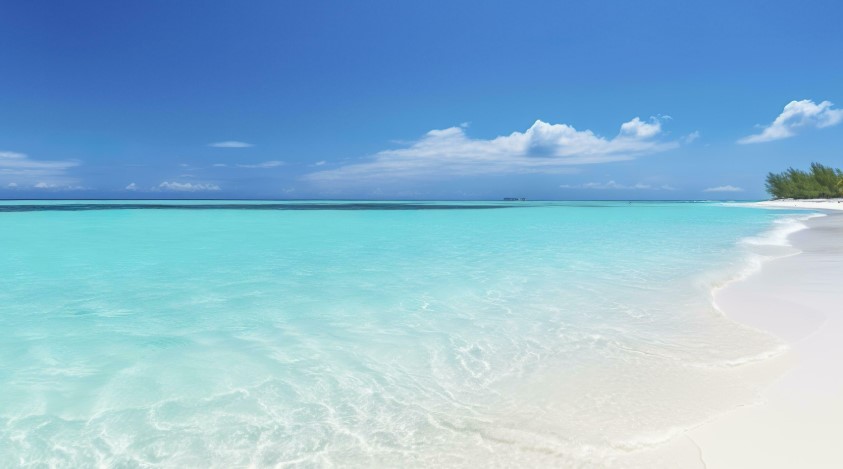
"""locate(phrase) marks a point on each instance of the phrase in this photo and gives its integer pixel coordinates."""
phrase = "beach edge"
(793, 298)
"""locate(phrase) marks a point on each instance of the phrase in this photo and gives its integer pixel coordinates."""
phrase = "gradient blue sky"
(386, 99)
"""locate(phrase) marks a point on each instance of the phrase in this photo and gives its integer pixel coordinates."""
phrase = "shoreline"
(794, 298)
(808, 204)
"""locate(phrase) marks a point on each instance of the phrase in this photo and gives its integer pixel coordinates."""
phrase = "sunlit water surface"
(356, 334)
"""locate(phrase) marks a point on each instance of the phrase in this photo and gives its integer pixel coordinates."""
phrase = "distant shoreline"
(811, 204)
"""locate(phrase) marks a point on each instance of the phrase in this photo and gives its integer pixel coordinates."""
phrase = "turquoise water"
(366, 335)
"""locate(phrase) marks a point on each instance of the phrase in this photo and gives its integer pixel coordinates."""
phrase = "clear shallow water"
(453, 334)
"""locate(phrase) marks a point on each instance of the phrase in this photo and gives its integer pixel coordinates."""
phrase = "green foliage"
(821, 182)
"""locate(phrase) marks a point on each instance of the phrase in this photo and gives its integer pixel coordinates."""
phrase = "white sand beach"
(798, 298)
(813, 204)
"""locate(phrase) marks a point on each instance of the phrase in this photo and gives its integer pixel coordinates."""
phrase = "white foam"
(783, 228)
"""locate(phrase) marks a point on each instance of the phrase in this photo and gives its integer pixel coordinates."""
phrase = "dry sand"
(799, 298)
(814, 204)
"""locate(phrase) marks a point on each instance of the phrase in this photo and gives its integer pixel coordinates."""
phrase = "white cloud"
(723, 189)
(615, 185)
(692, 137)
(132, 187)
(230, 144)
(543, 147)
(320, 163)
(797, 114)
(640, 129)
(21, 169)
(12, 185)
(265, 164)
(186, 187)
(219, 165)
(58, 187)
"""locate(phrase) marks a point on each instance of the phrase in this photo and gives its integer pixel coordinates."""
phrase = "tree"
(819, 183)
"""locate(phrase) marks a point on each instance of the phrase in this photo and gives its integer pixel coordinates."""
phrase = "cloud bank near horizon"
(727, 188)
(613, 185)
(542, 148)
(19, 170)
(183, 187)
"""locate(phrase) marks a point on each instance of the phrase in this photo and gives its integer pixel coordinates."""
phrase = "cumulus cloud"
(615, 185)
(265, 164)
(132, 187)
(21, 169)
(723, 189)
(796, 115)
(230, 144)
(543, 147)
(640, 129)
(186, 187)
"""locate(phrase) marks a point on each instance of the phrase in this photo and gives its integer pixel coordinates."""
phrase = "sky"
(442, 100)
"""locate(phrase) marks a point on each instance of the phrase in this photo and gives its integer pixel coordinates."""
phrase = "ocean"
(369, 334)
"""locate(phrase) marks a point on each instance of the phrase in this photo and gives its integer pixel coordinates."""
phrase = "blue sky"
(422, 100)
